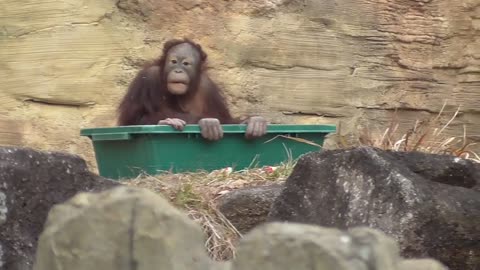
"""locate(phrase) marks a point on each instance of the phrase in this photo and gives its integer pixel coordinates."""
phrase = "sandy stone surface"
(65, 66)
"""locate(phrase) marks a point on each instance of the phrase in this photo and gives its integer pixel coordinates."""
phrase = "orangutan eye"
(186, 63)
(174, 61)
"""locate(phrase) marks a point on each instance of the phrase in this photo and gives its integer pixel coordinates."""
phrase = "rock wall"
(64, 66)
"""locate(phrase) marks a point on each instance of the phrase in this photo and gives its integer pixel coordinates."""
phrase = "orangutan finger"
(164, 121)
(257, 129)
(218, 131)
(178, 124)
(261, 129)
(206, 129)
(249, 131)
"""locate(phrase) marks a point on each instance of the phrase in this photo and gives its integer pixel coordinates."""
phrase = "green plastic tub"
(126, 152)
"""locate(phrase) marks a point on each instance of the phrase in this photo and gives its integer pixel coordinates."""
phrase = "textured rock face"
(249, 207)
(31, 183)
(430, 204)
(307, 61)
(310, 247)
(441, 169)
(135, 229)
(122, 229)
(421, 264)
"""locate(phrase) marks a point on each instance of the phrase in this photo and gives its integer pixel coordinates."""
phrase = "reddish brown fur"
(148, 101)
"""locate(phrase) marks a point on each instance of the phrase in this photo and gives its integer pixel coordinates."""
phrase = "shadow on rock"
(31, 182)
(248, 207)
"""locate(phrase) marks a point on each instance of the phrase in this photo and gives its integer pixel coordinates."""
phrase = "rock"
(296, 246)
(31, 182)
(421, 264)
(248, 207)
(123, 228)
(444, 169)
(390, 192)
(376, 249)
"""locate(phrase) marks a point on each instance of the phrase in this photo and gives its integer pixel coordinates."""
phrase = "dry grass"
(425, 136)
(197, 193)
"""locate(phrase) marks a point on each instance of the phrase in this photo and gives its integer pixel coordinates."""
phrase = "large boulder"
(248, 207)
(279, 246)
(123, 228)
(31, 182)
(429, 203)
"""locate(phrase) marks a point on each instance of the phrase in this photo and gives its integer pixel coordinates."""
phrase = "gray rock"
(297, 246)
(31, 182)
(375, 248)
(444, 169)
(123, 228)
(421, 264)
(392, 192)
(248, 207)
(3, 208)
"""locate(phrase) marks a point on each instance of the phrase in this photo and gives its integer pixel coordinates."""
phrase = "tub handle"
(111, 137)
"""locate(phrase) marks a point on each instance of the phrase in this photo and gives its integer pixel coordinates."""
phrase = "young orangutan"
(175, 90)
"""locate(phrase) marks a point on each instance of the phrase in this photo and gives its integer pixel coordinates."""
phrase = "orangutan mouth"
(177, 84)
(177, 88)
